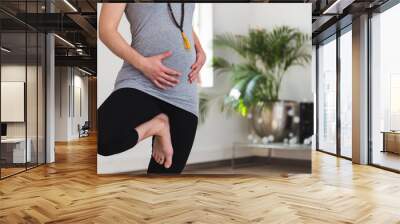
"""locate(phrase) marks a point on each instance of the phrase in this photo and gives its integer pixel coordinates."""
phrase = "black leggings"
(127, 108)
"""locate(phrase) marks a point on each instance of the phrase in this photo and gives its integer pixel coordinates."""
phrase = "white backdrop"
(215, 137)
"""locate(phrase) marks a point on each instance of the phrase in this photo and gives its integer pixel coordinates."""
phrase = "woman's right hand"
(152, 67)
(162, 76)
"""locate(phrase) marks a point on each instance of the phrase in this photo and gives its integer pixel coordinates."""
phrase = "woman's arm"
(152, 67)
(200, 60)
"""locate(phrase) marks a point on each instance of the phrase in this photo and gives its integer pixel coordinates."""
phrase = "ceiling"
(330, 15)
(74, 22)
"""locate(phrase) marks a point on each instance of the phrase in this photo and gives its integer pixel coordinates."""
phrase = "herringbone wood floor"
(69, 191)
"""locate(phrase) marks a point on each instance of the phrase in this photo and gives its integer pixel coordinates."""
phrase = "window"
(385, 89)
(22, 101)
(394, 101)
(335, 94)
(202, 24)
(327, 96)
(346, 94)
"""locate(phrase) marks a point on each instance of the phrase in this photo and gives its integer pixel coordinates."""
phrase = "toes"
(168, 161)
(156, 157)
(161, 160)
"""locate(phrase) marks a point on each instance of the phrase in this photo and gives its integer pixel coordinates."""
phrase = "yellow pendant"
(186, 41)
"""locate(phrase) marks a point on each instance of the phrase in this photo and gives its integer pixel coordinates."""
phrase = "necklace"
(186, 41)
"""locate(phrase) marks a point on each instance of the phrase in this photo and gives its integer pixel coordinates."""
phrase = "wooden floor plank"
(70, 191)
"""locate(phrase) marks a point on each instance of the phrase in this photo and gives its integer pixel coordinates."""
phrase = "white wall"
(16, 72)
(214, 138)
(33, 126)
(238, 18)
(61, 103)
(297, 83)
(80, 83)
(66, 121)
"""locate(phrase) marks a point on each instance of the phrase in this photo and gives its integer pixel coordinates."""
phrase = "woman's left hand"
(198, 64)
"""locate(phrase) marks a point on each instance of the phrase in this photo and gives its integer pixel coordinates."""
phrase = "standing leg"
(183, 126)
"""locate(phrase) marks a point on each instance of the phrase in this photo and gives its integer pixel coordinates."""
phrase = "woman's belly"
(167, 40)
(184, 94)
(181, 59)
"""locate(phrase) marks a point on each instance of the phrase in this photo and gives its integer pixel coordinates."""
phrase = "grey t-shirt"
(154, 32)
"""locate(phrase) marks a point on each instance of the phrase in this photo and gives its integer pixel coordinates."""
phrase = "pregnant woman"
(155, 93)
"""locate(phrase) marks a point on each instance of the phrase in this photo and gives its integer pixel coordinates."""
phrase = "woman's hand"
(196, 67)
(162, 76)
(152, 67)
(200, 60)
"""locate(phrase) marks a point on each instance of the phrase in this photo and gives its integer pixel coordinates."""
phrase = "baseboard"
(306, 164)
(250, 160)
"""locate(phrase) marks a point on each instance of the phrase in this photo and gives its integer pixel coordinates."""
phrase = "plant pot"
(278, 119)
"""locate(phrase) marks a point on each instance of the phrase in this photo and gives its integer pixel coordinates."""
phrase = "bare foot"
(162, 147)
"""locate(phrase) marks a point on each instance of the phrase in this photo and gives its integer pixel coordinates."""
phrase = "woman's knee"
(113, 143)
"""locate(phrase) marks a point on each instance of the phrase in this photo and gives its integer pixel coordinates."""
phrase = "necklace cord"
(180, 26)
(186, 41)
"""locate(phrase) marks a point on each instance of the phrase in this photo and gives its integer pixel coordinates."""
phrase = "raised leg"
(119, 116)
(183, 127)
(159, 128)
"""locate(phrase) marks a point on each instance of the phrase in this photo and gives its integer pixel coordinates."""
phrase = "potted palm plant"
(256, 81)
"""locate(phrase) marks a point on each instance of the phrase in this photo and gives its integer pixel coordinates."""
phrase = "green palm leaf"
(251, 88)
(267, 56)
